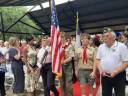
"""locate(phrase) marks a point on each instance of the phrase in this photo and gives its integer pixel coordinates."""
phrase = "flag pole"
(77, 19)
(50, 5)
(78, 42)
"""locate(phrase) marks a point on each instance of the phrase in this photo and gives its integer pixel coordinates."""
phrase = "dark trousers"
(48, 80)
(118, 83)
(2, 86)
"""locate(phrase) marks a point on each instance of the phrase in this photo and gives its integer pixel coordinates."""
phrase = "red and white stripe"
(57, 55)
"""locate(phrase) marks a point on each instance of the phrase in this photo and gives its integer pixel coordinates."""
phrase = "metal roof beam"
(108, 25)
(23, 33)
(38, 23)
(102, 32)
(94, 21)
(30, 26)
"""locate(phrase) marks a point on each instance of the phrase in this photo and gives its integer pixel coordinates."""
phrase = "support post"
(2, 23)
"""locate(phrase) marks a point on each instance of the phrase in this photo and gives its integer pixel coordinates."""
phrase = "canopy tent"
(93, 15)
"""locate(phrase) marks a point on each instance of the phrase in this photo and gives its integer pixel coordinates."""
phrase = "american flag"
(56, 40)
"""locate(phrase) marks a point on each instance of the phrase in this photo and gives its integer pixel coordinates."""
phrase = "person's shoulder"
(122, 45)
(101, 48)
(40, 49)
(12, 50)
(102, 45)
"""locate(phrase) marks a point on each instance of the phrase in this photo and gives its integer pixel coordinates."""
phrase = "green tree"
(11, 15)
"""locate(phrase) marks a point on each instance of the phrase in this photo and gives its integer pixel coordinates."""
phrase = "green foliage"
(10, 16)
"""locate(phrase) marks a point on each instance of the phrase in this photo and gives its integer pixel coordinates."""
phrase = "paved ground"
(40, 93)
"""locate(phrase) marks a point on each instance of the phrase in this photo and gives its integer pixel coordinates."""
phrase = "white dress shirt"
(41, 54)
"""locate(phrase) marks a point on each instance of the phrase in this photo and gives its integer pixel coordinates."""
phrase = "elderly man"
(112, 60)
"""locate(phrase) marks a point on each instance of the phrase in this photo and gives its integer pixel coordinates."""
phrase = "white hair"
(113, 35)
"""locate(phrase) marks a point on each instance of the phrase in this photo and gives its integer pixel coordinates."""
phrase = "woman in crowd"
(32, 69)
(16, 66)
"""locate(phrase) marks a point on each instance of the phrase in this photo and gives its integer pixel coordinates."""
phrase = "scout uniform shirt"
(90, 57)
(67, 71)
(69, 51)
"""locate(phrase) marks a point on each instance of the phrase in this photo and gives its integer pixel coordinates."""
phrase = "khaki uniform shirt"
(90, 58)
(69, 51)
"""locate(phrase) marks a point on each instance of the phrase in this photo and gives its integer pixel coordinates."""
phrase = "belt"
(86, 69)
(47, 63)
(109, 74)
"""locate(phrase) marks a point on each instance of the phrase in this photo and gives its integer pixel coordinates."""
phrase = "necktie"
(84, 59)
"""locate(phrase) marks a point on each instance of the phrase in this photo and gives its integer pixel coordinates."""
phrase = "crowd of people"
(100, 58)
